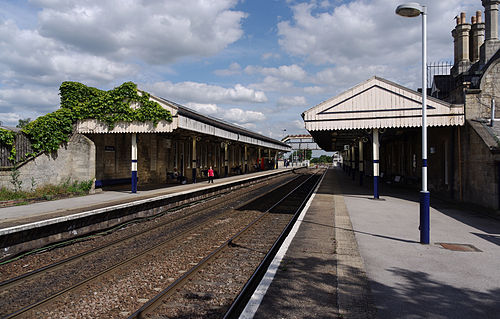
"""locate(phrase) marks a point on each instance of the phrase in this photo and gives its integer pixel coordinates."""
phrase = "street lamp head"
(410, 9)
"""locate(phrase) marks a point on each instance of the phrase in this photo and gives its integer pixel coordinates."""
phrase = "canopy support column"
(353, 162)
(246, 159)
(360, 162)
(376, 146)
(226, 160)
(134, 163)
(193, 160)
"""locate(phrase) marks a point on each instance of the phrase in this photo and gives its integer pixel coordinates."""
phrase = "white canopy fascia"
(379, 103)
(90, 126)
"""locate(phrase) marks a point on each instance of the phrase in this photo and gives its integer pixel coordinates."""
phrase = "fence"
(437, 68)
(23, 146)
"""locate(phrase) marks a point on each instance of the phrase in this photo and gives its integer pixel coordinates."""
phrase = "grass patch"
(48, 192)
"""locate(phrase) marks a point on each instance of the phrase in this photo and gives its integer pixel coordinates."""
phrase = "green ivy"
(80, 102)
(7, 138)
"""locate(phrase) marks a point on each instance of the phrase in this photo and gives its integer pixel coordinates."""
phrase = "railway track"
(208, 289)
(179, 243)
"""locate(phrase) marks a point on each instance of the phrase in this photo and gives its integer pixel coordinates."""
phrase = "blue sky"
(255, 63)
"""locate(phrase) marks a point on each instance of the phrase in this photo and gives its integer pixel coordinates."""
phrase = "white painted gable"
(379, 103)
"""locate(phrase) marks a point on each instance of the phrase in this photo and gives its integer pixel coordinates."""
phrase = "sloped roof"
(187, 119)
(379, 103)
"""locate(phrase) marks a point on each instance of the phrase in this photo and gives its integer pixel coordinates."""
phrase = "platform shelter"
(180, 151)
(376, 127)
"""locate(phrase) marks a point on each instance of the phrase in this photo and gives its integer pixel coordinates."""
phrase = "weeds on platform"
(47, 192)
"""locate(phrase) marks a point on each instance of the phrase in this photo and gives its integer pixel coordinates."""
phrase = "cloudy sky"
(255, 63)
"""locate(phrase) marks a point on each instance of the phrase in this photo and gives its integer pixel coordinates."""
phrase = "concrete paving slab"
(312, 280)
(10, 216)
(411, 280)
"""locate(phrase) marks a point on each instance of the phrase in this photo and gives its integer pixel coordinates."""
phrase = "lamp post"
(413, 9)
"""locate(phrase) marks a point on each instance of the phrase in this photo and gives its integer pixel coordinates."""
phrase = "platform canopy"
(375, 103)
(187, 120)
(301, 142)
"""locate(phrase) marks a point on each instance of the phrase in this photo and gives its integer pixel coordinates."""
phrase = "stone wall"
(478, 104)
(74, 161)
(479, 181)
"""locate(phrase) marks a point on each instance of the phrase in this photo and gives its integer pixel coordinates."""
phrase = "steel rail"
(153, 303)
(129, 260)
(247, 291)
(13, 281)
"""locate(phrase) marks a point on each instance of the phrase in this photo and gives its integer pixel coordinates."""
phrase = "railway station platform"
(52, 221)
(350, 256)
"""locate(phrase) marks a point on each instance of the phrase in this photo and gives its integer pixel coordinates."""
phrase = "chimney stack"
(476, 36)
(491, 42)
(462, 30)
(455, 41)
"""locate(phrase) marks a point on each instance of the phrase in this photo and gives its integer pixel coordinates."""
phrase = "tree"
(23, 122)
(321, 159)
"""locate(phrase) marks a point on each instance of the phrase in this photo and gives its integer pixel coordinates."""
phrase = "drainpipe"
(492, 120)
(459, 165)
(498, 183)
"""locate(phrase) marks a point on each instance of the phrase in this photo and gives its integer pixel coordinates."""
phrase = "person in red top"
(210, 175)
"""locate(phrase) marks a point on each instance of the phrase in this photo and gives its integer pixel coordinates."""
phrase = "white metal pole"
(424, 194)
(424, 101)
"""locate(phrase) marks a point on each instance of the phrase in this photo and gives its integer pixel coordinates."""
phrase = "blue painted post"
(193, 161)
(425, 199)
(226, 161)
(348, 161)
(246, 159)
(353, 162)
(360, 163)
(376, 147)
(134, 163)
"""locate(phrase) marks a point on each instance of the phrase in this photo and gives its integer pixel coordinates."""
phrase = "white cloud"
(271, 83)
(288, 72)
(31, 58)
(9, 119)
(157, 32)
(292, 101)
(314, 89)
(270, 55)
(209, 109)
(298, 124)
(243, 116)
(367, 32)
(205, 93)
(234, 68)
(235, 115)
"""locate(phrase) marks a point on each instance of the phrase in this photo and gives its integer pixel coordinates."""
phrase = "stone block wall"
(479, 171)
(74, 161)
